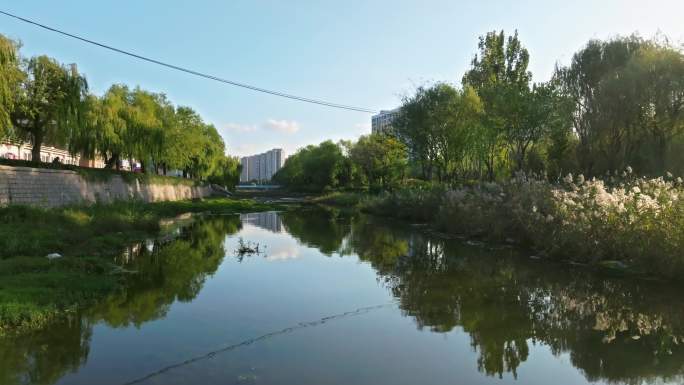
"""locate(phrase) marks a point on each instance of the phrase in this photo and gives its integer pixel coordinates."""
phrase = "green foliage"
(619, 103)
(10, 77)
(313, 168)
(382, 160)
(44, 102)
(227, 172)
(35, 290)
(420, 203)
(97, 229)
(340, 198)
(48, 104)
(438, 125)
(627, 219)
(137, 124)
(628, 103)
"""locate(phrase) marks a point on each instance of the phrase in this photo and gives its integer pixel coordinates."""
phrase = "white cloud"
(283, 126)
(236, 127)
(283, 253)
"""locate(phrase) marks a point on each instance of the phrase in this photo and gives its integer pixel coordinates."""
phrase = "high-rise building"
(267, 220)
(244, 174)
(261, 167)
(382, 122)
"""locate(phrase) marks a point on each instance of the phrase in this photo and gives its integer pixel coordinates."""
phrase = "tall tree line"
(618, 103)
(45, 102)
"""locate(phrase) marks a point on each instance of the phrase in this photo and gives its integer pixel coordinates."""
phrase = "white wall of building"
(261, 167)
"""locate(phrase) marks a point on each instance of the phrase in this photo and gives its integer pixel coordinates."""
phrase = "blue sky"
(363, 53)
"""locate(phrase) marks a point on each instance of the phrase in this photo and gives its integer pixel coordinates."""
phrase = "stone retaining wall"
(52, 188)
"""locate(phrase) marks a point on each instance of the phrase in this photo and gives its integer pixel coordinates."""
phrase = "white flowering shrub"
(635, 220)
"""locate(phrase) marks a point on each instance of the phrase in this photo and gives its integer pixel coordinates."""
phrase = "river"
(335, 297)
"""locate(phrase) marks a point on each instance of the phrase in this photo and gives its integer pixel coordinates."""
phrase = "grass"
(340, 198)
(35, 290)
(98, 229)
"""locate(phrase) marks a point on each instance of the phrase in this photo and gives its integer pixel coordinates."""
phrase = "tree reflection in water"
(615, 330)
(164, 273)
(618, 330)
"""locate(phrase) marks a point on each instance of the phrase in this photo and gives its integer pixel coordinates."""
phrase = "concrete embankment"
(53, 188)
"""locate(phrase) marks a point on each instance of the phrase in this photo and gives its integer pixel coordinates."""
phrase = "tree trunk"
(113, 162)
(37, 144)
(661, 157)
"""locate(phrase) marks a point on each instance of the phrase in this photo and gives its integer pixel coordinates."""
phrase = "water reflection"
(44, 357)
(613, 330)
(271, 220)
(160, 272)
(616, 330)
(323, 228)
(175, 272)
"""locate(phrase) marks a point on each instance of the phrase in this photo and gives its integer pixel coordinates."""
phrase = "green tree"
(313, 168)
(658, 81)
(595, 107)
(412, 128)
(48, 106)
(500, 76)
(10, 78)
(439, 124)
(226, 172)
(628, 97)
(108, 121)
(382, 159)
(534, 115)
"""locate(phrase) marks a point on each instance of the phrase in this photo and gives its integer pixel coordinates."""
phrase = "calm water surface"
(345, 299)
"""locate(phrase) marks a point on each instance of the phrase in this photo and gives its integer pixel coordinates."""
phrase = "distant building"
(382, 122)
(267, 220)
(261, 167)
(22, 151)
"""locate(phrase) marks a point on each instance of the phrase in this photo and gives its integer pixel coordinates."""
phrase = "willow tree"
(49, 103)
(657, 79)
(593, 81)
(186, 142)
(123, 124)
(10, 77)
(628, 103)
(143, 137)
(106, 125)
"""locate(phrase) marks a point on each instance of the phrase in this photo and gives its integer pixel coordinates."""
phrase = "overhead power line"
(192, 72)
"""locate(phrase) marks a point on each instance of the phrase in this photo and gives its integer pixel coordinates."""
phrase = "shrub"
(624, 218)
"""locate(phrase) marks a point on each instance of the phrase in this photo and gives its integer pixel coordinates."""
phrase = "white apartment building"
(261, 167)
(382, 122)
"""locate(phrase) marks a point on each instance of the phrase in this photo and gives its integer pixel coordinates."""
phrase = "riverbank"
(35, 289)
(626, 223)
